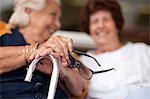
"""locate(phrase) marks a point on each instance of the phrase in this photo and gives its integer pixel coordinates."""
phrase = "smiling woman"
(41, 19)
(32, 25)
(103, 21)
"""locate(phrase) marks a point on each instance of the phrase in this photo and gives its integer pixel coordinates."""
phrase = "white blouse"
(132, 64)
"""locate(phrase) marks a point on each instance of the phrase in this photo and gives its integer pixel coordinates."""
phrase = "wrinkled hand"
(58, 46)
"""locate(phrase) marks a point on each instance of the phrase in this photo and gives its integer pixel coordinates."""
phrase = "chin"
(102, 41)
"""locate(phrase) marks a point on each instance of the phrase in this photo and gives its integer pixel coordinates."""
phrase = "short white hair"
(20, 18)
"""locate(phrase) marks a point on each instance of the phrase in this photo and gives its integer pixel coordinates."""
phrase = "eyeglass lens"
(84, 71)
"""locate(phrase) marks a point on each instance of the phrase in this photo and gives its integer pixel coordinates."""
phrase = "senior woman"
(103, 21)
(33, 23)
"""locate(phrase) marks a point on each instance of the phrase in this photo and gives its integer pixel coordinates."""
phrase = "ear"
(28, 10)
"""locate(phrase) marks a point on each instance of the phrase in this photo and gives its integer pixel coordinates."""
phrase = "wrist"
(28, 50)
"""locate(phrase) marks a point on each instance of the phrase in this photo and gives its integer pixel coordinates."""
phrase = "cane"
(54, 76)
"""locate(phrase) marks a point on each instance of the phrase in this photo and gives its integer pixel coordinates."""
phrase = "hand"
(58, 46)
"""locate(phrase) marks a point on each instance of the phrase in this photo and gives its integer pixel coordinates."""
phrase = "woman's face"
(45, 22)
(102, 27)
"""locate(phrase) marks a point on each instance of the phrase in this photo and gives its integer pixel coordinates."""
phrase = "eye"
(53, 13)
(105, 19)
(94, 21)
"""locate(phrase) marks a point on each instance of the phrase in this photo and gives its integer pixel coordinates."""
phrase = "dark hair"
(93, 6)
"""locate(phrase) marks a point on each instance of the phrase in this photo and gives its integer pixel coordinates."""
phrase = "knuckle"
(59, 36)
(58, 50)
(64, 45)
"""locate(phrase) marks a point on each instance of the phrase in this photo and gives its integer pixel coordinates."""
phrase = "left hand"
(58, 46)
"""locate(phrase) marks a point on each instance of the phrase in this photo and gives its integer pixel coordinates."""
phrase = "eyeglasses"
(84, 71)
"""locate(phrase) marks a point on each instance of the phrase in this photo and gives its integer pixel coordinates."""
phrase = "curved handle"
(54, 77)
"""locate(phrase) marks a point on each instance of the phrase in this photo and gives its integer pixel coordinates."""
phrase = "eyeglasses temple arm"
(102, 71)
(81, 53)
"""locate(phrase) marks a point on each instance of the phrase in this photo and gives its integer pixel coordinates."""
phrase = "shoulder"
(140, 46)
(13, 39)
(139, 49)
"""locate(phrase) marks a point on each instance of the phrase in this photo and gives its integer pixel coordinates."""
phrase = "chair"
(4, 28)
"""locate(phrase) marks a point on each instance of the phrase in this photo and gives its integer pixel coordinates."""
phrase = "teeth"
(102, 33)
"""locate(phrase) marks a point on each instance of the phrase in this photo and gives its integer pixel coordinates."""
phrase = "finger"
(32, 56)
(70, 46)
(64, 46)
(69, 42)
(56, 55)
(64, 62)
(39, 51)
(54, 45)
(46, 52)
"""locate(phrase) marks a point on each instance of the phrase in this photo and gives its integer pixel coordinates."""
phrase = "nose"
(101, 23)
(57, 23)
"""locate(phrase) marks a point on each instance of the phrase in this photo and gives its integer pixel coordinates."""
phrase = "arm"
(73, 82)
(14, 57)
(11, 58)
(70, 79)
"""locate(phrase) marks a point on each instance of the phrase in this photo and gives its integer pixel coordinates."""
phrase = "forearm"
(11, 58)
(73, 82)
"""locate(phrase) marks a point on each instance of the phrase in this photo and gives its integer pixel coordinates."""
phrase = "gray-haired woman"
(33, 23)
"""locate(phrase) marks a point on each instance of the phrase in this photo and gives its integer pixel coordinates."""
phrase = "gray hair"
(20, 18)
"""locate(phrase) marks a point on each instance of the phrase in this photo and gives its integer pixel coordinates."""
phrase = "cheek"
(42, 28)
(46, 36)
(112, 26)
(92, 29)
(113, 30)
(94, 37)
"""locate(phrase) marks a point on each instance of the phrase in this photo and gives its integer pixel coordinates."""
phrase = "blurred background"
(136, 14)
